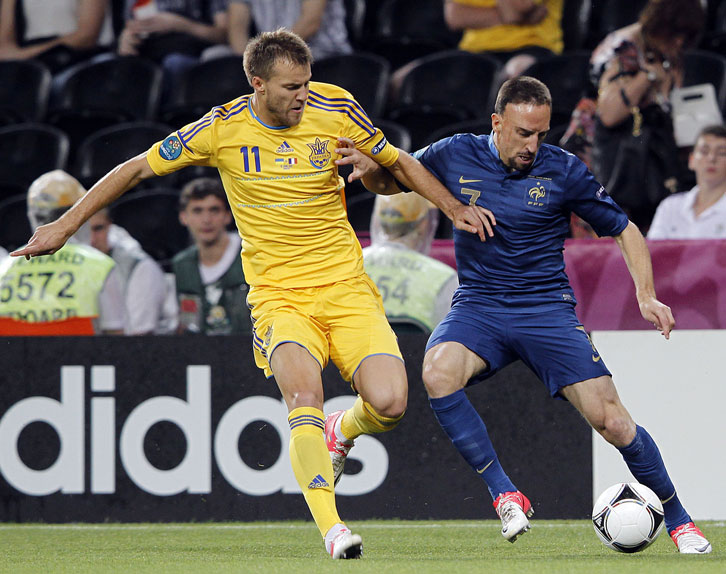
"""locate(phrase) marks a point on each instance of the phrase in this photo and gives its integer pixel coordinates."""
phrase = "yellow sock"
(362, 419)
(311, 465)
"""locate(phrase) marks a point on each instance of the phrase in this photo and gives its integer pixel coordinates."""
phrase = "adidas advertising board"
(187, 428)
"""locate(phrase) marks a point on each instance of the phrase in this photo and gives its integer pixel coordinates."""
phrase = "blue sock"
(467, 431)
(644, 461)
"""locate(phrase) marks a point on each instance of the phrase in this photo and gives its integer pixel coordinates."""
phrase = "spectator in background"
(416, 289)
(150, 302)
(157, 29)
(75, 291)
(58, 33)
(634, 153)
(321, 23)
(701, 212)
(516, 32)
(210, 284)
(174, 33)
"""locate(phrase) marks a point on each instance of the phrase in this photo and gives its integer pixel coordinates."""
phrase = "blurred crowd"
(638, 86)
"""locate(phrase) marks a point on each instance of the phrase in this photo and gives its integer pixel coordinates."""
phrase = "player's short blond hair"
(268, 48)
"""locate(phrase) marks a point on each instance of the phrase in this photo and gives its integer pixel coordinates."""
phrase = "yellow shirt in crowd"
(510, 37)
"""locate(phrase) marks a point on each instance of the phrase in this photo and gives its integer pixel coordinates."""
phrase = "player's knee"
(618, 429)
(439, 380)
(391, 404)
(304, 398)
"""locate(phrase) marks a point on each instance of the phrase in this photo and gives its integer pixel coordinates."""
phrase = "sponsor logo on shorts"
(170, 148)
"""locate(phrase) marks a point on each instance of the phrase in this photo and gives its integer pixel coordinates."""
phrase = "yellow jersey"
(510, 37)
(281, 183)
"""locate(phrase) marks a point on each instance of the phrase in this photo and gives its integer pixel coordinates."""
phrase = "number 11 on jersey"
(255, 152)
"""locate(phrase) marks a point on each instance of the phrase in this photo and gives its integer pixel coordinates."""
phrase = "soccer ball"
(628, 517)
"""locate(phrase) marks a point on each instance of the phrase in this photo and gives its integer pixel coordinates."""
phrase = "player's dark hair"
(200, 188)
(522, 90)
(268, 48)
(718, 130)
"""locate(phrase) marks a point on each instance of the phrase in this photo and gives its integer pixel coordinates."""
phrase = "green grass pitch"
(400, 547)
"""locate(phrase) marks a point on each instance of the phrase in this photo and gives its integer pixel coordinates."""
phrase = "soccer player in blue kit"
(515, 300)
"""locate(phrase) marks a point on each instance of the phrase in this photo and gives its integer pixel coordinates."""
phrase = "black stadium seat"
(203, 86)
(567, 77)
(464, 82)
(103, 150)
(363, 74)
(24, 90)
(152, 218)
(28, 151)
(15, 229)
(105, 91)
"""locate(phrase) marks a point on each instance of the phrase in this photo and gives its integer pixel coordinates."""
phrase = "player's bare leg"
(383, 393)
(598, 401)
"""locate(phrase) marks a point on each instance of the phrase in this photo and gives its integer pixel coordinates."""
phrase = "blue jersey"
(523, 264)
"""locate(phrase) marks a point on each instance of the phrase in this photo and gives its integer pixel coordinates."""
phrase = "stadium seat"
(575, 23)
(395, 133)
(24, 90)
(105, 149)
(364, 75)
(400, 51)
(205, 85)
(152, 218)
(29, 150)
(105, 91)
(567, 77)
(415, 19)
(702, 67)
(355, 15)
(15, 229)
(421, 121)
(612, 15)
(476, 127)
(465, 83)
(405, 30)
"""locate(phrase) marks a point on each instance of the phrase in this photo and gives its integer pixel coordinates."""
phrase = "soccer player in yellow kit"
(310, 298)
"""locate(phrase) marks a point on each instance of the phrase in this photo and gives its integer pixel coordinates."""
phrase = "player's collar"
(253, 103)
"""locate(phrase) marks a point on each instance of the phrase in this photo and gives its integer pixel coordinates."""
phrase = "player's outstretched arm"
(471, 218)
(51, 237)
(637, 257)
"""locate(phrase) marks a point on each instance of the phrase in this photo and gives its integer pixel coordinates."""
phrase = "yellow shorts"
(344, 322)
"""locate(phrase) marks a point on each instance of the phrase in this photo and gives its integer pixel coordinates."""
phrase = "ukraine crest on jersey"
(282, 183)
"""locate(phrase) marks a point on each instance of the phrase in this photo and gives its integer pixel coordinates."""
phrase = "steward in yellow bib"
(74, 291)
(416, 289)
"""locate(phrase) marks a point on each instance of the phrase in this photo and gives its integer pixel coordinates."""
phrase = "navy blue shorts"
(552, 343)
